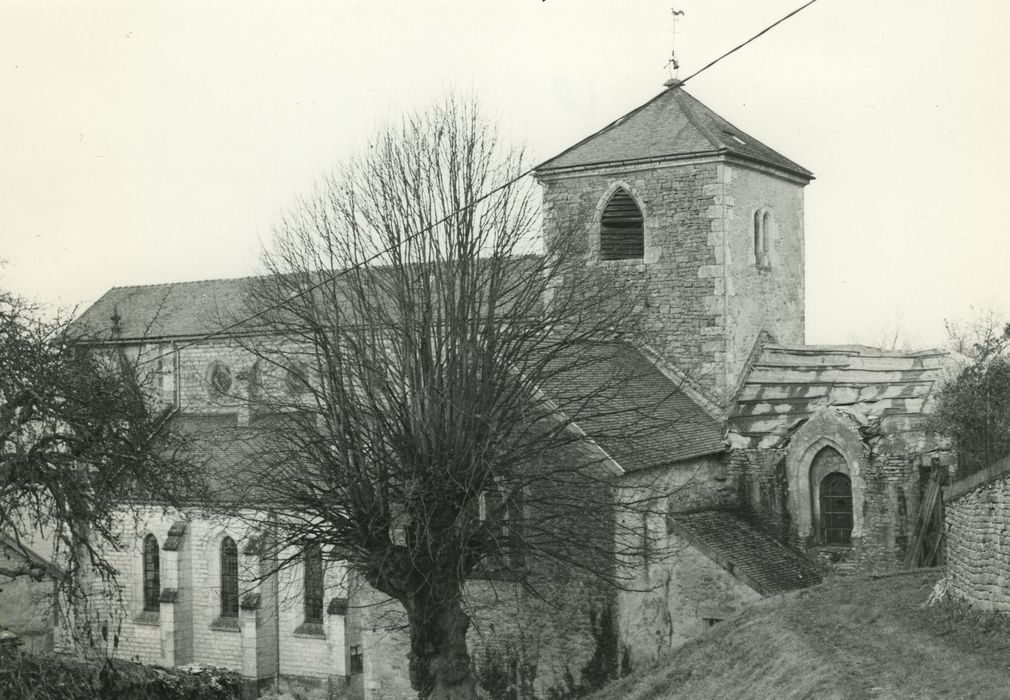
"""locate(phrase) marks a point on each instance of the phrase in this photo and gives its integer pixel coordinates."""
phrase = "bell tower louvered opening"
(622, 235)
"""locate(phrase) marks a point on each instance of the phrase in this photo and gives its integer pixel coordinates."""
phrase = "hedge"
(55, 677)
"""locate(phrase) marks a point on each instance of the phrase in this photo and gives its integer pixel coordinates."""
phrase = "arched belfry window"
(762, 231)
(229, 578)
(622, 233)
(836, 509)
(152, 574)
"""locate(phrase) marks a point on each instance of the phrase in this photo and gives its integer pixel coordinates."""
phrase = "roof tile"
(671, 125)
(757, 559)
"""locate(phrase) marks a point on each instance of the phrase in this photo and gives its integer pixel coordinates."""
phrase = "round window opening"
(220, 379)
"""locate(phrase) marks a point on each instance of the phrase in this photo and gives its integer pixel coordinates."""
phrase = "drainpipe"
(277, 608)
(177, 371)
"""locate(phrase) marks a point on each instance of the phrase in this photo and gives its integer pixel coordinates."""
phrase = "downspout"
(277, 610)
(177, 371)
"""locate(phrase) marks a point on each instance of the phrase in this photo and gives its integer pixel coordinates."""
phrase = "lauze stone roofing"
(787, 385)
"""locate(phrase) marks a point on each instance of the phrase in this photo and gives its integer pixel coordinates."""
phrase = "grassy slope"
(850, 638)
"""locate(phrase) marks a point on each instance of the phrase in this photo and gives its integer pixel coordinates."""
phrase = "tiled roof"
(671, 125)
(757, 559)
(235, 458)
(204, 308)
(787, 385)
(631, 409)
(180, 309)
(611, 391)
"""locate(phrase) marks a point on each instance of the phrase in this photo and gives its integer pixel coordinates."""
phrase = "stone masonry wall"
(977, 511)
(682, 313)
(705, 300)
(768, 297)
(890, 487)
(671, 588)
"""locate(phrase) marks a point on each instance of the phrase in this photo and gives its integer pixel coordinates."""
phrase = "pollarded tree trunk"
(439, 660)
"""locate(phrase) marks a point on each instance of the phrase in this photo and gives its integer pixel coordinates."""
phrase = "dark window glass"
(762, 229)
(229, 578)
(152, 574)
(220, 379)
(836, 509)
(622, 235)
(357, 662)
(313, 584)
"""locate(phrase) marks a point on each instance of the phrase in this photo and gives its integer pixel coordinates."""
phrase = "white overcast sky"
(145, 142)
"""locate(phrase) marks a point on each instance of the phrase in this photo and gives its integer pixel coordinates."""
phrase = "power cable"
(740, 46)
(426, 229)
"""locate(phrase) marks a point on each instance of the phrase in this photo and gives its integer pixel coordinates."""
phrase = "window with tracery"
(313, 584)
(622, 231)
(152, 574)
(229, 578)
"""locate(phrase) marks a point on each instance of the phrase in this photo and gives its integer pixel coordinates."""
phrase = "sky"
(147, 142)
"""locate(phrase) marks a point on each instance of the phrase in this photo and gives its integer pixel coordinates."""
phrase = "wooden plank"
(922, 520)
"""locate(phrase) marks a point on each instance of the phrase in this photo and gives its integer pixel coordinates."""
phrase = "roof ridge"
(186, 282)
(692, 118)
(855, 348)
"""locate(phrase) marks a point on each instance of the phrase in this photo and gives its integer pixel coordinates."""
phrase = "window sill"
(621, 262)
(225, 624)
(310, 629)
(148, 617)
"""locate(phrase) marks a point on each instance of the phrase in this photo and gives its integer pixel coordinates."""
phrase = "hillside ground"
(853, 637)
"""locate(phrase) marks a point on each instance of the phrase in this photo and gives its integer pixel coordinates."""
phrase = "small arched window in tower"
(229, 578)
(152, 574)
(836, 509)
(313, 592)
(762, 231)
(622, 233)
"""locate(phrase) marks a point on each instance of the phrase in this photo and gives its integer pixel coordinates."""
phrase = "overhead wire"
(361, 263)
(753, 38)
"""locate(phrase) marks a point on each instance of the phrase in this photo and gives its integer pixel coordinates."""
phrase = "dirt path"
(850, 638)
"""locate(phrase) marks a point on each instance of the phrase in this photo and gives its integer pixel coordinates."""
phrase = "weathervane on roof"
(674, 65)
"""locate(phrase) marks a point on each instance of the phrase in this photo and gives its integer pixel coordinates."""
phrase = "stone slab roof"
(632, 410)
(672, 125)
(787, 385)
(757, 559)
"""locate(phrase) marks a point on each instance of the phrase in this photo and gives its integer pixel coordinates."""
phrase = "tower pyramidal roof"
(671, 126)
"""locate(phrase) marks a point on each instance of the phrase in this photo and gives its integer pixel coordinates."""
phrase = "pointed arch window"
(229, 578)
(836, 509)
(152, 574)
(762, 230)
(313, 593)
(622, 231)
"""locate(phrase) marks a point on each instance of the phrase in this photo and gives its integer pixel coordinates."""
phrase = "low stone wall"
(978, 538)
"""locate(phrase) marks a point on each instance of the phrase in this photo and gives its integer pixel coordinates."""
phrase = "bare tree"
(973, 405)
(427, 376)
(80, 441)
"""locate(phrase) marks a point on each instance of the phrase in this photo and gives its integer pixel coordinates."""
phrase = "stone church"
(789, 463)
